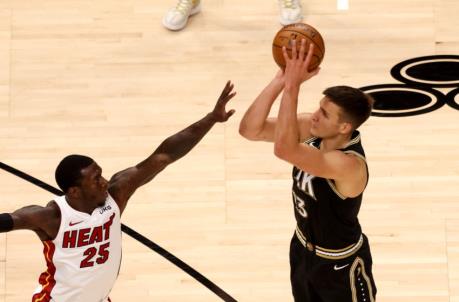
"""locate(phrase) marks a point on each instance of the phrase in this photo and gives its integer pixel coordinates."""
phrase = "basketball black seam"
(302, 33)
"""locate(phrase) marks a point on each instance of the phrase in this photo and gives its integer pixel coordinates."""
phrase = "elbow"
(242, 130)
(164, 160)
(284, 150)
(245, 132)
(280, 151)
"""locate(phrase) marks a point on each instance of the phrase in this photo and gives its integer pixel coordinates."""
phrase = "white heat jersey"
(84, 259)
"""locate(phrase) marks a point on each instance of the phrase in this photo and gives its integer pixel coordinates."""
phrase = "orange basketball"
(298, 31)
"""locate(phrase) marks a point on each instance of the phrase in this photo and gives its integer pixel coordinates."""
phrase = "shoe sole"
(193, 11)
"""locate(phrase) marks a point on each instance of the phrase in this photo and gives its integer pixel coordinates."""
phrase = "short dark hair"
(355, 104)
(68, 172)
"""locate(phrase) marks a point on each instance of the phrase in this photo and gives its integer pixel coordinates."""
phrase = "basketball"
(298, 31)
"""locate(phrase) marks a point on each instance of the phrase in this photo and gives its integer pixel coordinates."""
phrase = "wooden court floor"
(104, 78)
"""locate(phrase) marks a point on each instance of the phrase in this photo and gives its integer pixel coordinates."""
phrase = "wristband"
(6, 223)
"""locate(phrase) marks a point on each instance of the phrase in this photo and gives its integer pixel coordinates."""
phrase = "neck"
(79, 205)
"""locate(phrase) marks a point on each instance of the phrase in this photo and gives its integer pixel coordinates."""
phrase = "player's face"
(93, 185)
(326, 121)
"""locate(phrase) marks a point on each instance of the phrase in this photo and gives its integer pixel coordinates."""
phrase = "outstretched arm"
(42, 220)
(124, 183)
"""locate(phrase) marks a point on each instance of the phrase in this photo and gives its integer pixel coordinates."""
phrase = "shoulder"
(52, 210)
(356, 162)
(52, 213)
(112, 202)
(45, 221)
(349, 158)
(343, 166)
(40, 213)
(354, 149)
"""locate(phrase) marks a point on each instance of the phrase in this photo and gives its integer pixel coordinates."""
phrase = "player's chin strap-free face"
(6, 223)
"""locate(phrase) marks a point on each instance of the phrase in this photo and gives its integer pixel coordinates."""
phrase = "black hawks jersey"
(323, 215)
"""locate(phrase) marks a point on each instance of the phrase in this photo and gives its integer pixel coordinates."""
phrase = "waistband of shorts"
(329, 253)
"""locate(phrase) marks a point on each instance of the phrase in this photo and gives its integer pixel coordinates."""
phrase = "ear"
(345, 128)
(74, 192)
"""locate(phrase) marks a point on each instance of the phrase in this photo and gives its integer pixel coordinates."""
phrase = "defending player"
(81, 230)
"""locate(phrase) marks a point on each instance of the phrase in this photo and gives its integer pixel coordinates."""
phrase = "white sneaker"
(290, 11)
(177, 17)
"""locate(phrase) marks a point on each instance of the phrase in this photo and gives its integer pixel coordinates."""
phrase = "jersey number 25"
(102, 255)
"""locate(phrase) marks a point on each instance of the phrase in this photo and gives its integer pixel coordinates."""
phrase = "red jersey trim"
(46, 279)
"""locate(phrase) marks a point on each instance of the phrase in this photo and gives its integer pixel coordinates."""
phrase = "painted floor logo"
(417, 94)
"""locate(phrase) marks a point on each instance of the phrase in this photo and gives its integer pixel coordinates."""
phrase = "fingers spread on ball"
(285, 54)
(309, 55)
(294, 51)
(302, 49)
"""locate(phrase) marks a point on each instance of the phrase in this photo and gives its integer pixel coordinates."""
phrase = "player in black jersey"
(330, 257)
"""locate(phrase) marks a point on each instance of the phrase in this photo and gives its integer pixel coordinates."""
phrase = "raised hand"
(297, 67)
(219, 113)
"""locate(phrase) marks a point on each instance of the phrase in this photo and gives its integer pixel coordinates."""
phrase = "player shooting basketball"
(330, 257)
(81, 230)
